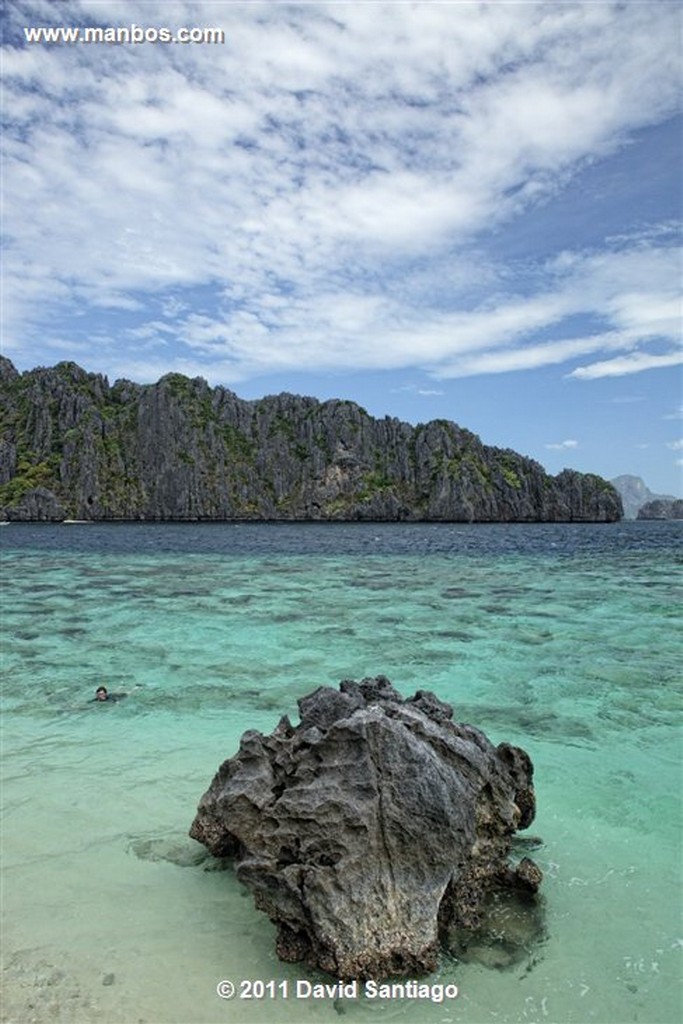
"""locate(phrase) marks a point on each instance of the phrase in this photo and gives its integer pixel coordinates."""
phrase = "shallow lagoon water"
(563, 639)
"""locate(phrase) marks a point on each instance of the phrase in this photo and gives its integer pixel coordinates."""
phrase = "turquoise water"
(565, 640)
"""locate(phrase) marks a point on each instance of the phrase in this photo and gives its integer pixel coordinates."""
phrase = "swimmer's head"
(101, 693)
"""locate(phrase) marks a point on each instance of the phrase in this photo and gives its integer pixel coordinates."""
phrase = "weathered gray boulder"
(372, 829)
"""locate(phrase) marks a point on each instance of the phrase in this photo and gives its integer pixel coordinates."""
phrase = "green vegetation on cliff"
(73, 446)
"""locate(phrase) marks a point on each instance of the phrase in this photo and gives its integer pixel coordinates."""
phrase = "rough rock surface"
(372, 829)
(662, 508)
(37, 505)
(180, 450)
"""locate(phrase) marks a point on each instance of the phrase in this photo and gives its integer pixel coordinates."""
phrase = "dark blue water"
(352, 539)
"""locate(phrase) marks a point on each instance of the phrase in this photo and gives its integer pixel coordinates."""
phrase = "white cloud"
(675, 445)
(563, 445)
(324, 176)
(529, 356)
(635, 362)
(354, 331)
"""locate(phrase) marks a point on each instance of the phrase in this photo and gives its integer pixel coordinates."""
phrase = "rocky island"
(373, 830)
(72, 446)
(635, 494)
(662, 508)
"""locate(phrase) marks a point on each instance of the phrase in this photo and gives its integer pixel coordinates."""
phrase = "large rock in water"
(372, 829)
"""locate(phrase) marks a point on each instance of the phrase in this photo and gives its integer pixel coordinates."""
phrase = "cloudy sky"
(459, 210)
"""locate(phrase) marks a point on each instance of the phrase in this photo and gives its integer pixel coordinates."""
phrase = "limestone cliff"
(662, 508)
(74, 446)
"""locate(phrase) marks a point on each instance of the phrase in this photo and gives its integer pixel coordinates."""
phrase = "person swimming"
(102, 693)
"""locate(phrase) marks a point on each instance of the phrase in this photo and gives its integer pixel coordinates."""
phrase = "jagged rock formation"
(73, 446)
(662, 508)
(635, 493)
(373, 830)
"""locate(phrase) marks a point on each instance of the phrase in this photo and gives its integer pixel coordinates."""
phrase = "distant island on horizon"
(72, 446)
(641, 503)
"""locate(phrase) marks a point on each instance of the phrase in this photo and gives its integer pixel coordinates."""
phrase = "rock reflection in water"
(511, 931)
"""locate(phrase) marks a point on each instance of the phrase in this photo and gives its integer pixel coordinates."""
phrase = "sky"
(468, 211)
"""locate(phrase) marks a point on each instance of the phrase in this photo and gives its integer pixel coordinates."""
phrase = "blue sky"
(457, 210)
